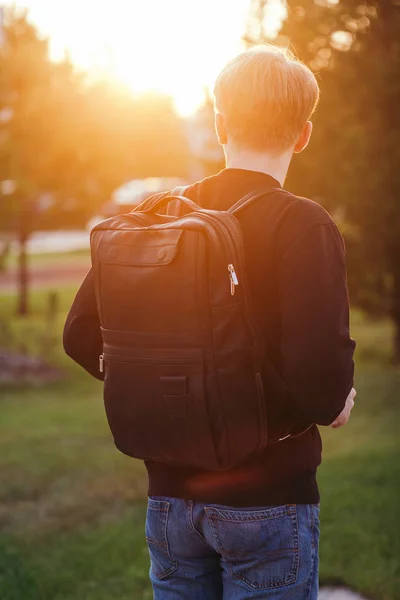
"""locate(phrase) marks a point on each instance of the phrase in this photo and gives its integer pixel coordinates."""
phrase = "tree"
(352, 164)
(69, 141)
(206, 152)
(24, 82)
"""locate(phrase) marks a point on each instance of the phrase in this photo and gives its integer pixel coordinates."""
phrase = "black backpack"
(182, 354)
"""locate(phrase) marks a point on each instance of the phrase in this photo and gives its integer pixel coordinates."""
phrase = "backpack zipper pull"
(233, 279)
(101, 363)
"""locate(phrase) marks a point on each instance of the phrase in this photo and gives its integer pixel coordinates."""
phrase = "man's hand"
(345, 414)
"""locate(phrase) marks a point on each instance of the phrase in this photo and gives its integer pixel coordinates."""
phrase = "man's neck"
(275, 166)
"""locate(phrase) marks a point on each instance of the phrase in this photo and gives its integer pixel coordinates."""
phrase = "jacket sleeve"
(317, 351)
(82, 335)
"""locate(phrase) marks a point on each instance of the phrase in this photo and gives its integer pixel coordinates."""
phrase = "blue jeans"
(214, 552)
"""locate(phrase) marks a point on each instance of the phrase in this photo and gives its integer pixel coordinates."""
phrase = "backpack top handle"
(156, 202)
(180, 190)
(174, 207)
(176, 197)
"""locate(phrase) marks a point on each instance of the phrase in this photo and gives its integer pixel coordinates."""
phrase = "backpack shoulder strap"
(249, 199)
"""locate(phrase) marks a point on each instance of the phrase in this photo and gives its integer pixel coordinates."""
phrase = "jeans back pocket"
(260, 547)
(162, 563)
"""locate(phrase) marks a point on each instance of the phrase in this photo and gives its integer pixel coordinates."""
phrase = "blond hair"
(266, 96)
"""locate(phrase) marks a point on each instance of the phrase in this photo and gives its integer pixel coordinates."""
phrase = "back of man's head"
(265, 96)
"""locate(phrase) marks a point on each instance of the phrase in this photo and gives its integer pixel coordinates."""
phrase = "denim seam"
(158, 505)
(165, 574)
(155, 542)
(218, 514)
(270, 586)
(312, 528)
(164, 544)
(165, 522)
(268, 554)
(192, 525)
(313, 549)
(215, 518)
(297, 559)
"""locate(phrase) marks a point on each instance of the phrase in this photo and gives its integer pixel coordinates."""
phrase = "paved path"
(338, 594)
(51, 275)
(46, 276)
(57, 241)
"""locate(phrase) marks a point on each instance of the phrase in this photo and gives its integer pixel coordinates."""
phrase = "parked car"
(132, 193)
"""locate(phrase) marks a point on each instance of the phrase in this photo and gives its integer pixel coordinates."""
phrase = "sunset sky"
(173, 46)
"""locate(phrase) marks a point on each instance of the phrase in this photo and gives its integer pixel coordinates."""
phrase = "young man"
(252, 531)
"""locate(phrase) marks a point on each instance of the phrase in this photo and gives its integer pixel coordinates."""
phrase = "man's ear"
(304, 138)
(221, 129)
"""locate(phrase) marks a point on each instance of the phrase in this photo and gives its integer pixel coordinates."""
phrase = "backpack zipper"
(233, 278)
(231, 252)
(237, 253)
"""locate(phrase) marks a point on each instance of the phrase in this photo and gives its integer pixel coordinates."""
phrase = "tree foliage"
(353, 163)
(75, 141)
(66, 143)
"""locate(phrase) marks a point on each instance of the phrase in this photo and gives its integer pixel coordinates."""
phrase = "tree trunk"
(396, 317)
(23, 277)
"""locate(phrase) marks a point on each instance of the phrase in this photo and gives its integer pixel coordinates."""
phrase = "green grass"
(72, 508)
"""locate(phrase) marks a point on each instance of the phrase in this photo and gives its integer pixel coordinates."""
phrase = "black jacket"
(295, 262)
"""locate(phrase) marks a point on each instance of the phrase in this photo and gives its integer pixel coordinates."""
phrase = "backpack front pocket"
(156, 405)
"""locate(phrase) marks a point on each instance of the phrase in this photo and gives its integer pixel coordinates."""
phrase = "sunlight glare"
(176, 47)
